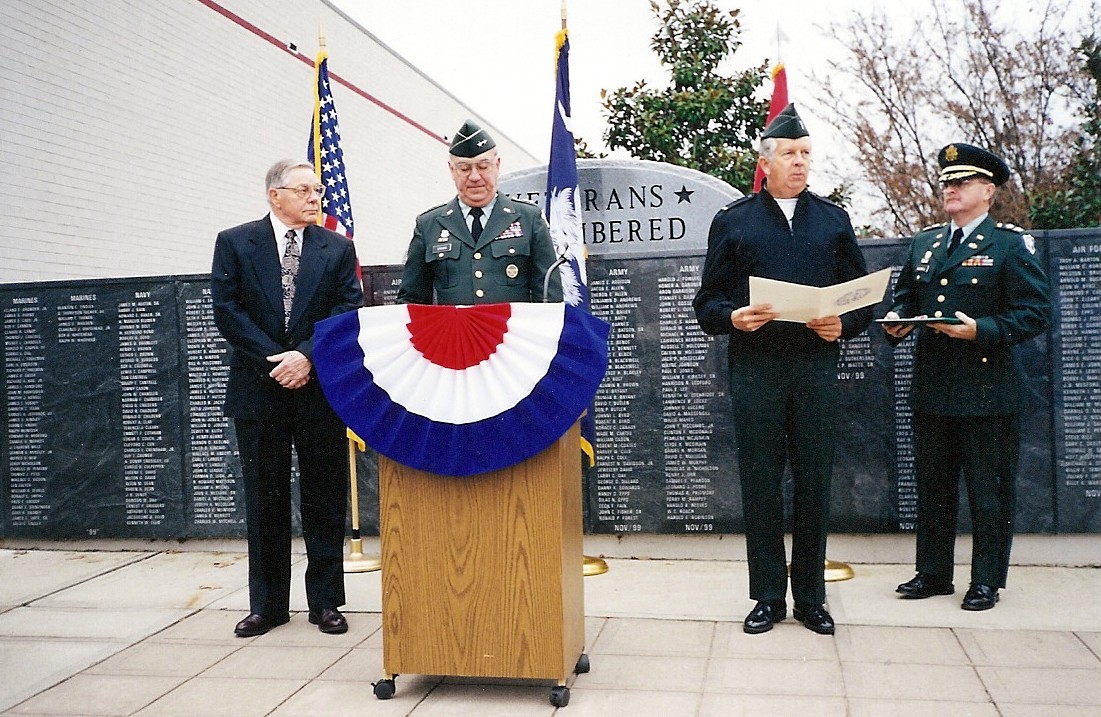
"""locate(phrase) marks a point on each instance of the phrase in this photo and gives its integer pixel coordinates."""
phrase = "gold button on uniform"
(478, 274)
(974, 280)
(941, 298)
(512, 250)
(944, 282)
(479, 293)
(937, 314)
(984, 359)
(477, 255)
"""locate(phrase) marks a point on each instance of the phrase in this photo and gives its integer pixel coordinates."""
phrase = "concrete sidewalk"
(146, 628)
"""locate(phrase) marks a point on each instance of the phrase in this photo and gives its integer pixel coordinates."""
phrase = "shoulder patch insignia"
(429, 211)
(739, 200)
(822, 199)
(522, 200)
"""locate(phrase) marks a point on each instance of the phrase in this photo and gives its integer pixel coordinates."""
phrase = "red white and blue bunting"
(461, 390)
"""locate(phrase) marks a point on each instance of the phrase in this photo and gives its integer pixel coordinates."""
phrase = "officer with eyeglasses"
(984, 280)
(482, 246)
(271, 280)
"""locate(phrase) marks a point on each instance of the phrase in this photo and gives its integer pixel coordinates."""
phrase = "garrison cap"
(786, 125)
(960, 161)
(471, 140)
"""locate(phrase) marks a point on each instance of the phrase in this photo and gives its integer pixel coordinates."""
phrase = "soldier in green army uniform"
(482, 247)
(985, 281)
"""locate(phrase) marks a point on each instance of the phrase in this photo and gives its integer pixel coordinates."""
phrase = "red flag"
(775, 106)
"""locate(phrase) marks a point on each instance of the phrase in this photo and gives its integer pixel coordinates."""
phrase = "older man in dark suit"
(271, 281)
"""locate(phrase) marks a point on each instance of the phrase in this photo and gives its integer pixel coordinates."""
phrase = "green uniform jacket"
(993, 277)
(445, 265)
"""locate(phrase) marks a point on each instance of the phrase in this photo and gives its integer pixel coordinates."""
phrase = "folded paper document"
(801, 303)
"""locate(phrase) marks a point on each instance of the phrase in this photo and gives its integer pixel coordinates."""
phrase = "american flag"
(327, 156)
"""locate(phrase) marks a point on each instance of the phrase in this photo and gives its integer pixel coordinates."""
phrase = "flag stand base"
(837, 571)
(594, 566)
(357, 562)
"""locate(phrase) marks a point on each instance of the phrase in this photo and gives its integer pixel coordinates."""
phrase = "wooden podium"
(482, 576)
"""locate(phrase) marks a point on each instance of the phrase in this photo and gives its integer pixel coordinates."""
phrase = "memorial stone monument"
(112, 390)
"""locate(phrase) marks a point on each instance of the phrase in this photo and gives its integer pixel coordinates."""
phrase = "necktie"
(290, 274)
(476, 222)
(957, 237)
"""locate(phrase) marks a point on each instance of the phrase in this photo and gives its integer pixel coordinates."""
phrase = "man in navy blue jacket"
(783, 375)
(271, 280)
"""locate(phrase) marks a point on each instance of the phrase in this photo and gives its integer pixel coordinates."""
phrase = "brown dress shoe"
(329, 620)
(257, 624)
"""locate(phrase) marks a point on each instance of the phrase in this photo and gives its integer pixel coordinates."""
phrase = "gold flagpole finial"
(563, 14)
(320, 36)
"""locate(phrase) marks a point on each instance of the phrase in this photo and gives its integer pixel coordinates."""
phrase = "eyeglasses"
(959, 183)
(303, 190)
(465, 168)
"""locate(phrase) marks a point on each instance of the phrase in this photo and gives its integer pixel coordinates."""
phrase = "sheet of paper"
(801, 303)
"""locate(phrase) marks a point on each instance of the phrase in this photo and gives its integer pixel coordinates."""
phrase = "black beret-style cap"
(786, 125)
(471, 140)
(960, 161)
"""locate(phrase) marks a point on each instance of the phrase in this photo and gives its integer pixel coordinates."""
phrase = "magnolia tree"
(704, 119)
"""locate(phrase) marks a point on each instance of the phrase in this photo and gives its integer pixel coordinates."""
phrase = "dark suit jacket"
(751, 237)
(247, 294)
(993, 277)
(444, 265)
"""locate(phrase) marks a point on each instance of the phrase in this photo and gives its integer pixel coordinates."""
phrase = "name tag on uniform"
(514, 230)
(978, 260)
(441, 248)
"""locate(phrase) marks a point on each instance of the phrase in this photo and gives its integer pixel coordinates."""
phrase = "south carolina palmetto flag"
(775, 106)
(561, 209)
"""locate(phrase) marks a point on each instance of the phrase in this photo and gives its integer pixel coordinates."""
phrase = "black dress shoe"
(329, 620)
(924, 585)
(980, 597)
(257, 624)
(815, 618)
(761, 617)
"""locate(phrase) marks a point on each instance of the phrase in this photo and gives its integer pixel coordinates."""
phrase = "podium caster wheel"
(582, 665)
(384, 689)
(560, 696)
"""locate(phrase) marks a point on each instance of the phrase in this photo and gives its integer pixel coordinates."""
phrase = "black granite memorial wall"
(112, 425)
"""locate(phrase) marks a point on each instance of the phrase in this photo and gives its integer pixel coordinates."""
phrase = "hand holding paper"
(801, 303)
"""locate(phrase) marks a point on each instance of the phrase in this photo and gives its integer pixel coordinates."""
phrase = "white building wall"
(132, 131)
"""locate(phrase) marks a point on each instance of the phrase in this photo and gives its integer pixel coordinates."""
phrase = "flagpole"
(590, 564)
(316, 131)
(834, 570)
(356, 561)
